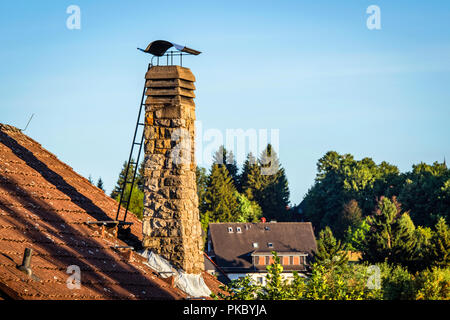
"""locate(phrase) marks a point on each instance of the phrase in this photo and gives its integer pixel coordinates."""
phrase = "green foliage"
(356, 236)
(139, 180)
(136, 204)
(225, 196)
(220, 202)
(391, 237)
(397, 283)
(331, 253)
(340, 179)
(120, 181)
(239, 289)
(330, 284)
(273, 197)
(426, 193)
(201, 179)
(276, 287)
(440, 245)
(433, 284)
(223, 157)
(249, 211)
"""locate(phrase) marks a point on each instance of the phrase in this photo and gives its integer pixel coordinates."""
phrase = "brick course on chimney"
(171, 225)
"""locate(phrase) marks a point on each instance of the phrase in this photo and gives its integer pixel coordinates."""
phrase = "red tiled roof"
(44, 205)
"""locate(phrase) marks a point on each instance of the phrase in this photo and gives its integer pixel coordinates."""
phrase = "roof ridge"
(7, 127)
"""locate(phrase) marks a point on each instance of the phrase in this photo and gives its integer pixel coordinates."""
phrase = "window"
(285, 260)
(267, 228)
(255, 244)
(296, 260)
(230, 230)
(238, 230)
(270, 244)
(262, 260)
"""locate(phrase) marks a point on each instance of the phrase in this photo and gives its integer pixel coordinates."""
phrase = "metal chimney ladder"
(139, 122)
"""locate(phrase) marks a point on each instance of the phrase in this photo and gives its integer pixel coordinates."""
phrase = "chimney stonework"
(171, 224)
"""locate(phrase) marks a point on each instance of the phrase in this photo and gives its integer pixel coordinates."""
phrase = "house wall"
(259, 277)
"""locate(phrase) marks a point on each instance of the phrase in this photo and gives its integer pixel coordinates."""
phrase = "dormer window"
(238, 230)
(255, 244)
(266, 228)
(230, 230)
(270, 244)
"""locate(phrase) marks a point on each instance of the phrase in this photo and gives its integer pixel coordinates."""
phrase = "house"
(77, 250)
(240, 249)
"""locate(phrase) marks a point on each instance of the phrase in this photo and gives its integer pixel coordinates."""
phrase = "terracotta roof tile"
(44, 205)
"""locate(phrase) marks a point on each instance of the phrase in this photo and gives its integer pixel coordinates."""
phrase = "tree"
(341, 179)
(244, 183)
(440, 245)
(356, 236)
(226, 158)
(249, 211)
(220, 203)
(276, 288)
(201, 180)
(139, 180)
(331, 253)
(90, 179)
(391, 236)
(121, 180)
(250, 180)
(100, 184)
(136, 204)
(426, 193)
(351, 217)
(274, 194)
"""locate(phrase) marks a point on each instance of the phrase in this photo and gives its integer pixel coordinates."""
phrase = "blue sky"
(311, 69)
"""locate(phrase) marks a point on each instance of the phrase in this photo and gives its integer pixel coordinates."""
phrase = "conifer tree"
(440, 245)
(226, 158)
(90, 179)
(250, 180)
(202, 183)
(274, 195)
(331, 253)
(100, 184)
(120, 181)
(391, 236)
(220, 203)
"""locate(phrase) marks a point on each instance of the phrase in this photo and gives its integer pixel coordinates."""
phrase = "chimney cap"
(159, 47)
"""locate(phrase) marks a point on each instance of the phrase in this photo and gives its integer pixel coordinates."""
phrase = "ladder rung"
(138, 143)
(141, 124)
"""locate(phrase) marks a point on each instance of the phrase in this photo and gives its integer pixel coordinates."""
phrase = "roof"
(234, 250)
(44, 205)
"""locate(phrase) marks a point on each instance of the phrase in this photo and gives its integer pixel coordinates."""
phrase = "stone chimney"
(171, 224)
